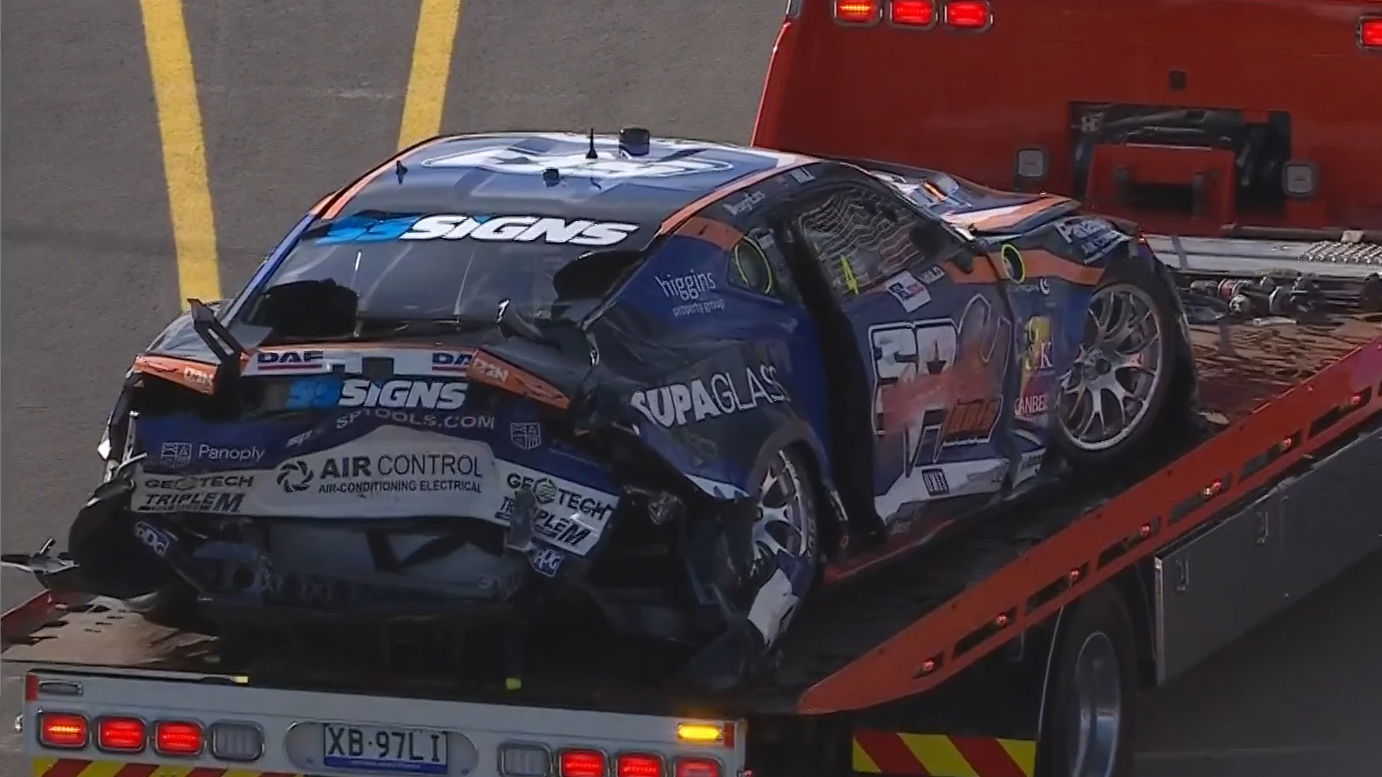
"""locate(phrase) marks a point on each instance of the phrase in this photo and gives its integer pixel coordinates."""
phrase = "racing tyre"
(1088, 725)
(1113, 396)
(782, 548)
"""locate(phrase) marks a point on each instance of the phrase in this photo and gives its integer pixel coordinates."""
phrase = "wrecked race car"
(675, 378)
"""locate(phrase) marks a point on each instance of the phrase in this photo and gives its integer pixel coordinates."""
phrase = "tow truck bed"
(1272, 394)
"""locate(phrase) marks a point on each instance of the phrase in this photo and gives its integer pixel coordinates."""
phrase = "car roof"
(503, 173)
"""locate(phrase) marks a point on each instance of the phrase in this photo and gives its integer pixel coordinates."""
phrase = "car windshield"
(431, 279)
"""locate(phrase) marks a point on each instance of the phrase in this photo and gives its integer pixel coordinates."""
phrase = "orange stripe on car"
(198, 376)
(485, 368)
(1004, 217)
(341, 200)
(672, 221)
(1044, 264)
(711, 231)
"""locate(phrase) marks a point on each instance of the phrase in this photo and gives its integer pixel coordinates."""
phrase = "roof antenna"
(399, 170)
(591, 153)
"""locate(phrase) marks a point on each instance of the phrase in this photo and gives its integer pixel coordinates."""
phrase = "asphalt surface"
(296, 99)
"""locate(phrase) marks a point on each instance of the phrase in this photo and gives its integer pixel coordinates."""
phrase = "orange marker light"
(857, 11)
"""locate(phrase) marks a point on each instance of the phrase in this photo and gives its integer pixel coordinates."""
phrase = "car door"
(934, 339)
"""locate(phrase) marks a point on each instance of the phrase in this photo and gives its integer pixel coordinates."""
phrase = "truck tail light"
(913, 13)
(121, 735)
(858, 11)
(697, 767)
(968, 14)
(62, 729)
(582, 763)
(1370, 32)
(177, 737)
(638, 765)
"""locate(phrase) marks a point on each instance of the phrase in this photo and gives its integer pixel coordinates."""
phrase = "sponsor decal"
(490, 370)
(695, 308)
(548, 492)
(211, 493)
(546, 561)
(1040, 286)
(721, 395)
(298, 439)
(1014, 266)
(937, 385)
(153, 538)
(746, 204)
(417, 420)
(222, 502)
(1093, 238)
(970, 422)
(483, 227)
(197, 482)
(525, 435)
(295, 476)
(270, 361)
(687, 287)
(521, 229)
(565, 516)
(199, 376)
(180, 454)
(934, 480)
(909, 291)
(428, 394)
(307, 393)
(505, 159)
(932, 274)
(1037, 354)
(451, 361)
(383, 473)
(175, 454)
(1031, 406)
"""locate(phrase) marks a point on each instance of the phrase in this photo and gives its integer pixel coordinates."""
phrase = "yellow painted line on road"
(437, 21)
(184, 149)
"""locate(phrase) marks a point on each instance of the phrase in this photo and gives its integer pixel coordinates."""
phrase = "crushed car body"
(678, 379)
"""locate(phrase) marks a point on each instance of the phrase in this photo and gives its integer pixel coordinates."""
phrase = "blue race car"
(683, 380)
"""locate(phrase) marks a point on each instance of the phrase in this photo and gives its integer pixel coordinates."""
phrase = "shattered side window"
(859, 238)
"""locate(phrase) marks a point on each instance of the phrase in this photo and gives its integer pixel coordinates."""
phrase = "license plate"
(403, 750)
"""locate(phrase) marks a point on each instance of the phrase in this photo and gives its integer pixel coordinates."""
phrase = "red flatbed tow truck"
(1015, 649)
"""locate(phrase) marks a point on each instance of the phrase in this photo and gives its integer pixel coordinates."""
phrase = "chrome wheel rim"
(1107, 392)
(783, 513)
(1098, 709)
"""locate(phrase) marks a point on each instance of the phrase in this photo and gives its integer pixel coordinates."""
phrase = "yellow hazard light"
(699, 733)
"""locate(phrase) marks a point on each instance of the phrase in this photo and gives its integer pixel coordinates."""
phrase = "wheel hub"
(1107, 393)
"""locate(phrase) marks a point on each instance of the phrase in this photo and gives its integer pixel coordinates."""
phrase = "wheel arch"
(799, 438)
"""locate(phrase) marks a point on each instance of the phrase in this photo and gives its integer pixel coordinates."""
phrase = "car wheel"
(1088, 726)
(1112, 396)
(784, 541)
